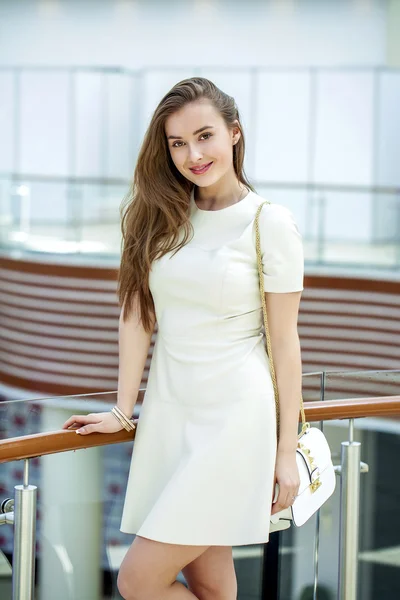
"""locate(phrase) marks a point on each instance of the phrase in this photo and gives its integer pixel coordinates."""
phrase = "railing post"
(23, 573)
(349, 517)
(321, 233)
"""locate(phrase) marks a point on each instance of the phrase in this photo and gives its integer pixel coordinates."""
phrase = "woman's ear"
(236, 133)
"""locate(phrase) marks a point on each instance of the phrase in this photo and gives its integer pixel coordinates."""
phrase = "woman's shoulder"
(273, 213)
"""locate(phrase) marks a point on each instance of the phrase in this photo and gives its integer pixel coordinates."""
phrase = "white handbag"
(313, 455)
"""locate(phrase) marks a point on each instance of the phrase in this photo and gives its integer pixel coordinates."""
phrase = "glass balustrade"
(61, 217)
(82, 217)
(309, 555)
(80, 498)
(379, 522)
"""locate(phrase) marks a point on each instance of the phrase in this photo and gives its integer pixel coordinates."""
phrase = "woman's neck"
(215, 198)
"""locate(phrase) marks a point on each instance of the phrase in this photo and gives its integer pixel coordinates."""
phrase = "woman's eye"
(203, 135)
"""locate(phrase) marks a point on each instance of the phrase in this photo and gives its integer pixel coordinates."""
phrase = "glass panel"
(80, 497)
(57, 216)
(85, 219)
(81, 494)
(379, 558)
(297, 544)
(5, 573)
(312, 387)
(368, 237)
(379, 539)
(361, 384)
(80, 501)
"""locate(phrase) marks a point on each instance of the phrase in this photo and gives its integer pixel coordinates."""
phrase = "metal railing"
(21, 511)
(89, 208)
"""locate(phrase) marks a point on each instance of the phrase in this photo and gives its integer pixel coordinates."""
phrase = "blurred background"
(317, 83)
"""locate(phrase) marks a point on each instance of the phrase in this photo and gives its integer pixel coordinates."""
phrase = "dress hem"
(164, 541)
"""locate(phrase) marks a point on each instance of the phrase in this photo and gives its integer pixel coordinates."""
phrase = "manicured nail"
(78, 431)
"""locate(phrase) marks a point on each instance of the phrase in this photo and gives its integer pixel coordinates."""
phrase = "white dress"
(204, 455)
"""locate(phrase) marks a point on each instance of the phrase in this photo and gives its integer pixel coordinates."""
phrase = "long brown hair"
(157, 204)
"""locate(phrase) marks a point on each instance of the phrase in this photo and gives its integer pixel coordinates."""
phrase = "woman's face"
(200, 143)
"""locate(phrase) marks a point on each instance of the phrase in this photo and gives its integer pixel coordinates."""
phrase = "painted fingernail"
(79, 431)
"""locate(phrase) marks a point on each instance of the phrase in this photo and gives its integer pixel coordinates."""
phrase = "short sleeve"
(281, 250)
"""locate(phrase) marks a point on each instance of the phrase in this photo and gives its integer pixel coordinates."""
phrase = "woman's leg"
(212, 575)
(149, 570)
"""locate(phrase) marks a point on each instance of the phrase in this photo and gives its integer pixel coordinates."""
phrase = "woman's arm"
(282, 312)
(134, 344)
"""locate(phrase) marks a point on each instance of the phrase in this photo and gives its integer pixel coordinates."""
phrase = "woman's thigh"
(212, 574)
(149, 565)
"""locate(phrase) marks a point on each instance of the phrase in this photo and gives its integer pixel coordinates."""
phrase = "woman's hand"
(288, 478)
(100, 422)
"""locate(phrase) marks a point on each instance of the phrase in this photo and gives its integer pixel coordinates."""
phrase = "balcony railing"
(80, 216)
(79, 497)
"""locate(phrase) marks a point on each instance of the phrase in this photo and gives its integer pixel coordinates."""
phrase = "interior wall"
(140, 33)
(335, 124)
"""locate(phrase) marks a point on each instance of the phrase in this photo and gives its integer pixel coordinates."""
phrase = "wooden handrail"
(40, 444)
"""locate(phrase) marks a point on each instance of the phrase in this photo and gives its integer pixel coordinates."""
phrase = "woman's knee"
(133, 581)
(122, 585)
(127, 584)
(149, 567)
(213, 575)
(213, 590)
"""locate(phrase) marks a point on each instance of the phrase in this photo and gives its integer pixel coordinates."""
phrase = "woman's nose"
(194, 153)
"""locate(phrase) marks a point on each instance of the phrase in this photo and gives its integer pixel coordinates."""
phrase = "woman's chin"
(205, 181)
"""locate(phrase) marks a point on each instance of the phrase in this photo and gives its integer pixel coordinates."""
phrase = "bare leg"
(149, 570)
(212, 575)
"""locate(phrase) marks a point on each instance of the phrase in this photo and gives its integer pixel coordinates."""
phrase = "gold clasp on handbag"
(314, 485)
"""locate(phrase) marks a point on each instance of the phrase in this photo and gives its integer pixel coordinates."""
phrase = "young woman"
(206, 457)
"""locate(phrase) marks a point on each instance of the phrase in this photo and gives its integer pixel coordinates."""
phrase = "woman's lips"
(200, 171)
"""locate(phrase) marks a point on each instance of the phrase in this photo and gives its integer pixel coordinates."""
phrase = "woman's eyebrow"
(177, 137)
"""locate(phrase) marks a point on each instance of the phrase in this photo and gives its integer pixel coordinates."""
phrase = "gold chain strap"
(305, 425)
